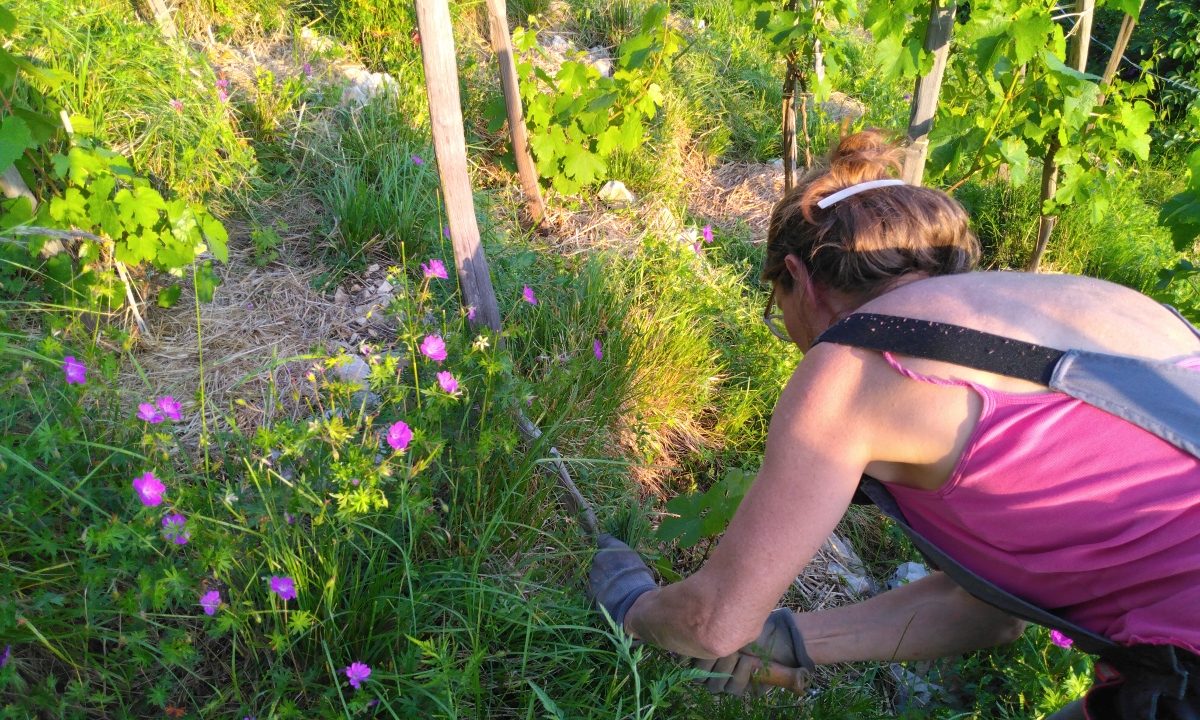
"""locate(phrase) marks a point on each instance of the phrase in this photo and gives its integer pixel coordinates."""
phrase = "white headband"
(856, 189)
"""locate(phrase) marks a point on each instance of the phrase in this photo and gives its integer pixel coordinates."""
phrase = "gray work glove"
(618, 577)
(779, 642)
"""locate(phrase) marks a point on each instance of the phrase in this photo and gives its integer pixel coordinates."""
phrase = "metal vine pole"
(929, 85)
(502, 45)
(1077, 52)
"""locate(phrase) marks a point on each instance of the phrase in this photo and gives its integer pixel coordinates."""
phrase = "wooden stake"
(789, 123)
(1114, 60)
(925, 94)
(1077, 52)
(450, 148)
(502, 45)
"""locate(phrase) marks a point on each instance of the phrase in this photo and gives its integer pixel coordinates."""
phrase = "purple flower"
(434, 348)
(416, 160)
(75, 371)
(597, 350)
(177, 105)
(222, 83)
(223, 96)
(169, 407)
(446, 231)
(284, 587)
(4, 656)
(149, 413)
(697, 248)
(1060, 640)
(471, 312)
(447, 381)
(307, 68)
(706, 233)
(399, 435)
(289, 518)
(210, 601)
(434, 269)
(175, 529)
(528, 296)
(358, 673)
(149, 489)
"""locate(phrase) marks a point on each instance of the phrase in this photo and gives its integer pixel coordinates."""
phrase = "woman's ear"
(796, 268)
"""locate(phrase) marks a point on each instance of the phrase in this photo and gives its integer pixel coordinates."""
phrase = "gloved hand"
(779, 641)
(618, 577)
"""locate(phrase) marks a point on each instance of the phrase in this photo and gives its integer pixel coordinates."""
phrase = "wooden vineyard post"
(925, 95)
(450, 148)
(502, 45)
(1114, 61)
(1077, 52)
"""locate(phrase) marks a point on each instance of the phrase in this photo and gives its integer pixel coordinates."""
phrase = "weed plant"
(157, 104)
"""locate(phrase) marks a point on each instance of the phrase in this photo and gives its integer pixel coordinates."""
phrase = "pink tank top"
(1074, 510)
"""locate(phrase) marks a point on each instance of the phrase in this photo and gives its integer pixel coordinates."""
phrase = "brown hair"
(861, 244)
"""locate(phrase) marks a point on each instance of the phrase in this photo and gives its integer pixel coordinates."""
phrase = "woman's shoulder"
(1061, 311)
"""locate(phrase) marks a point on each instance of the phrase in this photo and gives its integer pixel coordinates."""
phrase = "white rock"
(385, 288)
(848, 567)
(906, 573)
(599, 58)
(614, 192)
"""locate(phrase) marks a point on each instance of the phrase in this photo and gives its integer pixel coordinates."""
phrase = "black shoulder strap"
(949, 343)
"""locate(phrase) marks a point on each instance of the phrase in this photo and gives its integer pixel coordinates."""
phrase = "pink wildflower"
(417, 160)
(175, 529)
(528, 296)
(1060, 640)
(706, 233)
(434, 348)
(597, 350)
(149, 489)
(399, 435)
(471, 312)
(169, 407)
(149, 413)
(75, 371)
(308, 71)
(434, 269)
(284, 587)
(210, 601)
(358, 673)
(447, 381)
(177, 105)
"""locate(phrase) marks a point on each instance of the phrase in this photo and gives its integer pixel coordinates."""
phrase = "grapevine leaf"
(15, 139)
(583, 165)
(138, 247)
(1129, 7)
(632, 133)
(1064, 71)
(168, 296)
(1181, 213)
(216, 235)
(635, 51)
(1014, 152)
(1029, 33)
(8, 21)
(206, 282)
(608, 141)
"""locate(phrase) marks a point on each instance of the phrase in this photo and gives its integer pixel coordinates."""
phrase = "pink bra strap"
(920, 377)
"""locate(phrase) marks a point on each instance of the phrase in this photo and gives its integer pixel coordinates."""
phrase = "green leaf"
(1014, 152)
(207, 281)
(632, 133)
(1181, 215)
(608, 141)
(584, 166)
(138, 247)
(1029, 33)
(168, 296)
(15, 139)
(8, 21)
(216, 236)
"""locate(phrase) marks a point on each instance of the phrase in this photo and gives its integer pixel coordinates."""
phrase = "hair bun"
(866, 155)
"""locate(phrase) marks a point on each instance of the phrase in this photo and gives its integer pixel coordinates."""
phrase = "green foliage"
(697, 516)
(793, 30)
(577, 118)
(87, 188)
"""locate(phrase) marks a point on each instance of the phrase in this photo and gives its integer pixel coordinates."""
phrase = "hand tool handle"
(779, 675)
